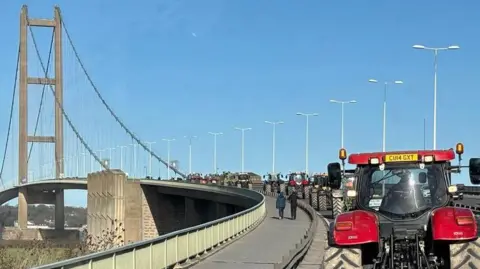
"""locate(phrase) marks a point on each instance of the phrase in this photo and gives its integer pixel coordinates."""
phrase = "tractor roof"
(401, 156)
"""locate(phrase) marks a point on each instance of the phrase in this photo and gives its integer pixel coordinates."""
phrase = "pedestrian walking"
(293, 204)
(281, 202)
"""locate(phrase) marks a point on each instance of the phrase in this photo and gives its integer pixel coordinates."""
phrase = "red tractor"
(403, 214)
(300, 182)
(196, 178)
(212, 179)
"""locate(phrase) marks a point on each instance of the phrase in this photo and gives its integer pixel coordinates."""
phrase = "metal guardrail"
(171, 249)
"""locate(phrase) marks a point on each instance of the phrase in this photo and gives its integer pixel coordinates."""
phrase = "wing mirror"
(474, 170)
(334, 175)
(422, 178)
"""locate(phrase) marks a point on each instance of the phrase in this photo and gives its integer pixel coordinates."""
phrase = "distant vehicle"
(300, 182)
(274, 183)
(196, 178)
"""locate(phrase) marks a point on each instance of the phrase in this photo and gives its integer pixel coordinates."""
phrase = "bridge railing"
(173, 248)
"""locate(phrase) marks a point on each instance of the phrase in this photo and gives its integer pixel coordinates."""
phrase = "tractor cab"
(320, 180)
(404, 206)
(273, 177)
(243, 177)
(298, 179)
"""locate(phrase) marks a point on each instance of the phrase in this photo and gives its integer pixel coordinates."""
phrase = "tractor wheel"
(289, 190)
(306, 192)
(465, 255)
(337, 206)
(329, 201)
(314, 199)
(282, 188)
(322, 202)
(268, 188)
(345, 258)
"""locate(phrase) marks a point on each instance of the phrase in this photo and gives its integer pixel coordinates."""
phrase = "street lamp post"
(386, 83)
(150, 157)
(435, 50)
(342, 103)
(121, 156)
(134, 159)
(168, 155)
(190, 151)
(274, 125)
(243, 145)
(307, 115)
(215, 150)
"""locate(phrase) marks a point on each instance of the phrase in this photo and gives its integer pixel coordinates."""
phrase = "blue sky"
(250, 61)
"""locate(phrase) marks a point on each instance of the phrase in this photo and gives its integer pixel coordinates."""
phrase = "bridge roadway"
(263, 246)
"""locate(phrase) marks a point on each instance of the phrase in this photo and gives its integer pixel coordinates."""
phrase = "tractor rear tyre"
(337, 206)
(306, 192)
(268, 188)
(465, 255)
(289, 190)
(314, 199)
(345, 258)
(322, 202)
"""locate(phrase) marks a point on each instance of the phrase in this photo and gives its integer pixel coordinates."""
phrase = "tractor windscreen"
(403, 190)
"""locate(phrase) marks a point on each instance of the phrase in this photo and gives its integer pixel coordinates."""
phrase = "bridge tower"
(24, 137)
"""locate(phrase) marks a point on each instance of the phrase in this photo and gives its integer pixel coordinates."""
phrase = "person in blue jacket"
(281, 202)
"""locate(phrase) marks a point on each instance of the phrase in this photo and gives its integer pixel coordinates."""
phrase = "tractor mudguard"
(356, 228)
(453, 223)
(337, 193)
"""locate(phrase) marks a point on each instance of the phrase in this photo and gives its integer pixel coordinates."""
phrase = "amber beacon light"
(342, 154)
(459, 149)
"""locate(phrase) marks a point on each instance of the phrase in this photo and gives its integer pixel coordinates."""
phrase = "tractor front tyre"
(465, 254)
(345, 258)
(322, 202)
(337, 206)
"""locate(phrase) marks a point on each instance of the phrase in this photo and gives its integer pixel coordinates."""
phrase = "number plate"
(401, 158)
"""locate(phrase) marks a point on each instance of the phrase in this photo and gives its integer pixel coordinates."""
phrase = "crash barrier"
(177, 248)
(291, 259)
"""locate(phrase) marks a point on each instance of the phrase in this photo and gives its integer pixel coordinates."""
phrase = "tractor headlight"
(374, 161)
(351, 193)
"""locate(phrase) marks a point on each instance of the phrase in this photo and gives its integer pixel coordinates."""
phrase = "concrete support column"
(191, 214)
(59, 209)
(22, 208)
(221, 210)
(112, 201)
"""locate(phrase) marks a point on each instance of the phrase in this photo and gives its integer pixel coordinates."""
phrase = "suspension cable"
(11, 117)
(67, 118)
(42, 97)
(117, 119)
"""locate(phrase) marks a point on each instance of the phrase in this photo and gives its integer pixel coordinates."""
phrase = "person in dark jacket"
(281, 202)
(293, 204)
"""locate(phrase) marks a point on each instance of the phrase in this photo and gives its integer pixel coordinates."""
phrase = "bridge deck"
(264, 246)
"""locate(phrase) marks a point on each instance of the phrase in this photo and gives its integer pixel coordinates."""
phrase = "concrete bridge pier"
(22, 219)
(59, 209)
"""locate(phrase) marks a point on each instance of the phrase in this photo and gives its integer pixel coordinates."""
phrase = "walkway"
(264, 246)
